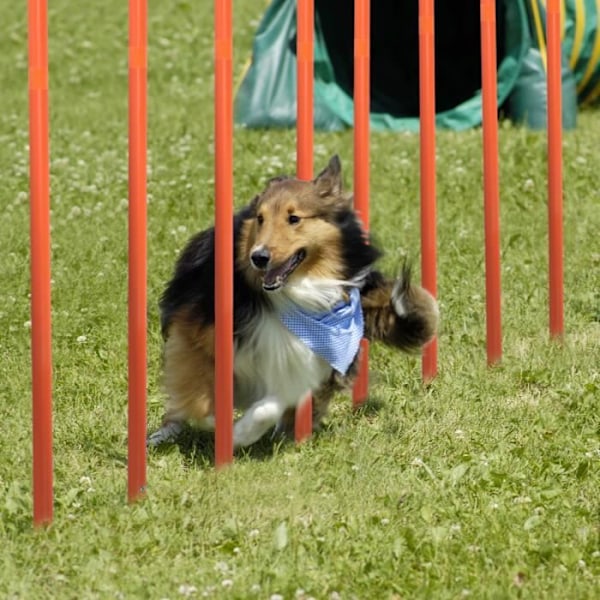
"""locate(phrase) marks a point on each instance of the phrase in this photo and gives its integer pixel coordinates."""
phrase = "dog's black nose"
(260, 258)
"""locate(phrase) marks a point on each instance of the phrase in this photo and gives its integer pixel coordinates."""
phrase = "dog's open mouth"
(274, 278)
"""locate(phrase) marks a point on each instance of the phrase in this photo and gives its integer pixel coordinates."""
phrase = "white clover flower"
(528, 185)
(222, 567)
(522, 500)
(187, 590)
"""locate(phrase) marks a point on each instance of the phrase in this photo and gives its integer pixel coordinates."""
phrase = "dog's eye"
(293, 219)
(260, 219)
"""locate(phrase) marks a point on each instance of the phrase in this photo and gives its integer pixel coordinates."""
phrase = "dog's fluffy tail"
(398, 312)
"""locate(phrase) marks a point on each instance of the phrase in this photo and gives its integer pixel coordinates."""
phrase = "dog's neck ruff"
(335, 335)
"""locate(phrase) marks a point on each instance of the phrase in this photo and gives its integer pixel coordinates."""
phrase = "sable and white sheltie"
(305, 292)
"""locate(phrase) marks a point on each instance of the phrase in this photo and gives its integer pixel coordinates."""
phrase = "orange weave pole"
(362, 110)
(137, 293)
(223, 233)
(41, 327)
(305, 18)
(491, 182)
(555, 176)
(427, 167)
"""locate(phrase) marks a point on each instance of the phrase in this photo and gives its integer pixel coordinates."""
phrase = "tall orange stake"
(491, 181)
(305, 18)
(427, 164)
(555, 178)
(41, 327)
(138, 19)
(223, 233)
(362, 109)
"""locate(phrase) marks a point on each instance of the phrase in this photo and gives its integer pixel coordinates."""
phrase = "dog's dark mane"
(358, 254)
(192, 285)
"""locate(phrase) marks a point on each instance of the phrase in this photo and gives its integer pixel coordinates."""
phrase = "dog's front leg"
(257, 420)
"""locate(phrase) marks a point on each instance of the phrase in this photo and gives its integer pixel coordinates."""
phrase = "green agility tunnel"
(267, 94)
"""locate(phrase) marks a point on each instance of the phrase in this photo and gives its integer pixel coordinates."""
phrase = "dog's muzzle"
(260, 258)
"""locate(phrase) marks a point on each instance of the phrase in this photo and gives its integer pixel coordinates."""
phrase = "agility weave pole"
(305, 18)
(491, 183)
(428, 168)
(40, 211)
(223, 232)
(362, 112)
(137, 286)
(555, 175)
(41, 327)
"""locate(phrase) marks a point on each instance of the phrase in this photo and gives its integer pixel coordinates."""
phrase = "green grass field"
(485, 484)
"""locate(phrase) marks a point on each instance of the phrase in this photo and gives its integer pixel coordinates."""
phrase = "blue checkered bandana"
(335, 335)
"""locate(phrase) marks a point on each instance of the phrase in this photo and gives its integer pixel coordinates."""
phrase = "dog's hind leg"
(257, 420)
(188, 379)
(321, 398)
(167, 432)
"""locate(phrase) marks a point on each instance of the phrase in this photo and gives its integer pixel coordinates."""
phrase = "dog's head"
(295, 230)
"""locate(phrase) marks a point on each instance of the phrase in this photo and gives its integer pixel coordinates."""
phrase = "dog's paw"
(256, 421)
(166, 434)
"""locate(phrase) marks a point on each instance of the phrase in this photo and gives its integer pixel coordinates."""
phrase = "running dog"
(305, 294)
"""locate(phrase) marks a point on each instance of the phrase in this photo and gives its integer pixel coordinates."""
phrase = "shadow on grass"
(198, 447)
(371, 407)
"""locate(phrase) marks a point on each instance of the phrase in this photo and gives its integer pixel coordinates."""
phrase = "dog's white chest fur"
(274, 370)
(271, 361)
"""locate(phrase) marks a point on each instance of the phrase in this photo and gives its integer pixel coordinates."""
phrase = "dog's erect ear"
(329, 181)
